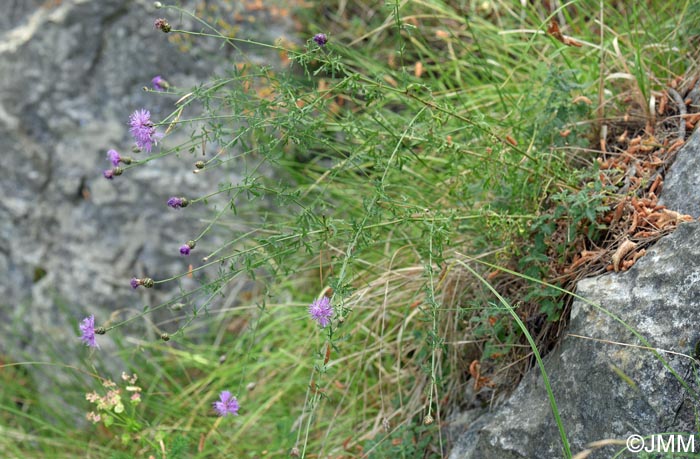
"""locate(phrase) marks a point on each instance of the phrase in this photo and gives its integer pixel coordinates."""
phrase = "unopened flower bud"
(100, 331)
(199, 164)
(117, 171)
(147, 282)
(165, 337)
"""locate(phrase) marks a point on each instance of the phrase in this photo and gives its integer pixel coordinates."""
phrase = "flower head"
(87, 328)
(113, 157)
(162, 24)
(227, 404)
(185, 248)
(321, 311)
(142, 129)
(108, 174)
(321, 39)
(146, 282)
(177, 203)
(159, 83)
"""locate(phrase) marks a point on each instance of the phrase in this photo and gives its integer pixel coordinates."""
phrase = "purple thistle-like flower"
(321, 311)
(176, 202)
(87, 330)
(185, 249)
(113, 157)
(134, 282)
(108, 174)
(227, 404)
(321, 39)
(142, 129)
(159, 83)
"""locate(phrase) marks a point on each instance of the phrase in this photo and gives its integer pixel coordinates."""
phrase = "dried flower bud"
(295, 452)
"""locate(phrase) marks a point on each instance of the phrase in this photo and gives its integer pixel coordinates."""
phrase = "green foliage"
(495, 326)
(358, 176)
(411, 441)
(180, 447)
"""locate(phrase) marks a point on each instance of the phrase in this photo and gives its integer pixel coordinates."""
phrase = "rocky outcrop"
(70, 240)
(607, 383)
(682, 180)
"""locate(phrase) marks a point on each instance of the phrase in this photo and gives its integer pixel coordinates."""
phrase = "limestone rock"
(606, 390)
(609, 386)
(682, 179)
(70, 240)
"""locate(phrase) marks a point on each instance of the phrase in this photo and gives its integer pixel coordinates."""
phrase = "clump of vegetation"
(407, 171)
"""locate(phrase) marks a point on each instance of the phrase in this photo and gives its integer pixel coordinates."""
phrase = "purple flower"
(321, 311)
(108, 174)
(159, 83)
(162, 24)
(87, 328)
(185, 249)
(227, 404)
(177, 203)
(135, 282)
(321, 39)
(113, 156)
(142, 129)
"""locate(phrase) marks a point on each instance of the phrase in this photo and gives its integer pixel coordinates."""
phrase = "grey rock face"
(71, 73)
(608, 385)
(683, 177)
(71, 76)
